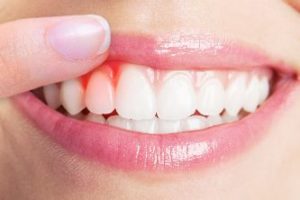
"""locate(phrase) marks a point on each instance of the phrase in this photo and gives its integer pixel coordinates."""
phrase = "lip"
(198, 51)
(128, 150)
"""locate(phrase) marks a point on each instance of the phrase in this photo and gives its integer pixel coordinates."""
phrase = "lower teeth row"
(156, 125)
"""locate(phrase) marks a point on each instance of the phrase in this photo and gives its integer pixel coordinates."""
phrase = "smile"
(164, 103)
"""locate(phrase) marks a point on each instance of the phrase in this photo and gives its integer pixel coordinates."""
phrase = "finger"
(36, 52)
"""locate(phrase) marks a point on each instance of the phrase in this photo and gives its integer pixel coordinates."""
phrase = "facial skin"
(33, 167)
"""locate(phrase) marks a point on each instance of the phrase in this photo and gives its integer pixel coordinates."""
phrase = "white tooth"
(119, 122)
(214, 120)
(176, 96)
(99, 96)
(51, 93)
(71, 96)
(228, 118)
(168, 126)
(78, 116)
(95, 118)
(264, 86)
(145, 126)
(252, 95)
(235, 94)
(193, 123)
(135, 97)
(211, 97)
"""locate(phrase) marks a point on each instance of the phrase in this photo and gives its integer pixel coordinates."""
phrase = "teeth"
(169, 126)
(119, 122)
(194, 123)
(153, 101)
(145, 126)
(135, 97)
(235, 94)
(95, 118)
(264, 89)
(176, 96)
(100, 94)
(51, 93)
(78, 116)
(71, 96)
(214, 120)
(252, 95)
(228, 118)
(211, 97)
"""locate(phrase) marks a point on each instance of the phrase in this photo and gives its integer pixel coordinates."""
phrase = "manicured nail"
(80, 38)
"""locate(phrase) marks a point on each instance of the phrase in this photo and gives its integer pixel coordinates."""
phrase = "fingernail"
(80, 38)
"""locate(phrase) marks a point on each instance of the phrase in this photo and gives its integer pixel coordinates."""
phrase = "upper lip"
(198, 51)
(130, 150)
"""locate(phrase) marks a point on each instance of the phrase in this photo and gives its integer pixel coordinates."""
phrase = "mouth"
(166, 103)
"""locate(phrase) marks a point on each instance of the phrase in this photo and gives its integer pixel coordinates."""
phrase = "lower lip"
(127, 150)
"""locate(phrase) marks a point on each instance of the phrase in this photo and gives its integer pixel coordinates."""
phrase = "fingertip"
(81, 37)
(107, 33)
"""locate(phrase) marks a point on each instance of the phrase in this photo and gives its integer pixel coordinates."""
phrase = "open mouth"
(160, 104)
(139, 98)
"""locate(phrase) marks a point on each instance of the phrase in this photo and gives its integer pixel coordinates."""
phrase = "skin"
(33, 167)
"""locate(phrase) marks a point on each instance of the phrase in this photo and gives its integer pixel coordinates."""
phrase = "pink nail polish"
(80, 38)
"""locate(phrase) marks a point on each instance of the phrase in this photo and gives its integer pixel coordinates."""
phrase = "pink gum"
(112, 69)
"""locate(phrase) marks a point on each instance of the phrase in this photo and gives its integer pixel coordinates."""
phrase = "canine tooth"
(119, 122)
(135, 97)
(264, 88)
(145, 126)
(71, 96)
(99, 96)
(168, 126)
(235, 94)
(51, 94)
(95, 118)
(211, 97)
(194, 123)
(252, 95)
(176, 96)
(214, 120)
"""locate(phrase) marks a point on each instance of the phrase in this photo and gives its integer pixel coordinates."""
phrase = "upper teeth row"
(141, 93)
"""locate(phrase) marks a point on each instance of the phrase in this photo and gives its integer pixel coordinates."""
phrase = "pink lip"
(135, 151)
(190, 52)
